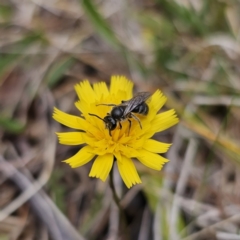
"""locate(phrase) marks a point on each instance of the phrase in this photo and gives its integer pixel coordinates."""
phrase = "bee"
(125, 110)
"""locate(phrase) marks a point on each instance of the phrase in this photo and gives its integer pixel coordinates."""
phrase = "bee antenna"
(95, 116)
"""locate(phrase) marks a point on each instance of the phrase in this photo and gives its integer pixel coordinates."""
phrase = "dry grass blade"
(211, 230)
(188, 49)
(181, 185)
(52, 218)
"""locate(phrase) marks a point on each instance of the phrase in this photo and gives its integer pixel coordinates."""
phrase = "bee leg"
(130, 124)
(137, 119)
(110, 134)
(120, 125)
(110, 105)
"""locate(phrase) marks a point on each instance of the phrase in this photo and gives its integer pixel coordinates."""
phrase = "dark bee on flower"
(126, 110)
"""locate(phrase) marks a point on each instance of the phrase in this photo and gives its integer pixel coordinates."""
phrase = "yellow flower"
(123, 145)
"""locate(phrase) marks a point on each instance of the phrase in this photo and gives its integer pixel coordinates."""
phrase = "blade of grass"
(100, 23)
(17, 49)
(5, 13)
(57, 71)
(189, 17)
(108, 34)
(11, 125)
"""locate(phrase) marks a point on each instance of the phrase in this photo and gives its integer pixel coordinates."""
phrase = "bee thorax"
(117, 112)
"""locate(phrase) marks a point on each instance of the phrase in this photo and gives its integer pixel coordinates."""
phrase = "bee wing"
(135, 101)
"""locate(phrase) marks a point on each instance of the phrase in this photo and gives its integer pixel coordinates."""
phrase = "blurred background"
(188, 49)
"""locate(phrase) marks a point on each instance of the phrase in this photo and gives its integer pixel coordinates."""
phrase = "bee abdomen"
(144, 109)
(141, 109)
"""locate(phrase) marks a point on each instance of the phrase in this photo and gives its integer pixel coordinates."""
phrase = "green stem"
(123, 219)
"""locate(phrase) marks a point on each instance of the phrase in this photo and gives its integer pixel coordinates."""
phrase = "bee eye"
(112, 124)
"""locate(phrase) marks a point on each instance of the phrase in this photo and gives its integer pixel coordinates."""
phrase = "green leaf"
(5, 12)
(100, 24)
(57, 70)
(106, 32)
(187, 18)
(11, 125)
(8, 60)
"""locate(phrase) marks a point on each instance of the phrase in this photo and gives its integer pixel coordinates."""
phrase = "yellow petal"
(128, 172)
(162, 122)
(165, 120)
(102, 166)
(85, 92)
(121, 83)
(155, 146)
(128, 151)
(151, 160)
(83, 107)
(118, 156)
(69, 120)
(156, 102)
(100, 90)
(82, 157)
(71, 138)
(136, 144)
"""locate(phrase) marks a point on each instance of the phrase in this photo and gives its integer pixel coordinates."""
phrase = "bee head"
(110, 123)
